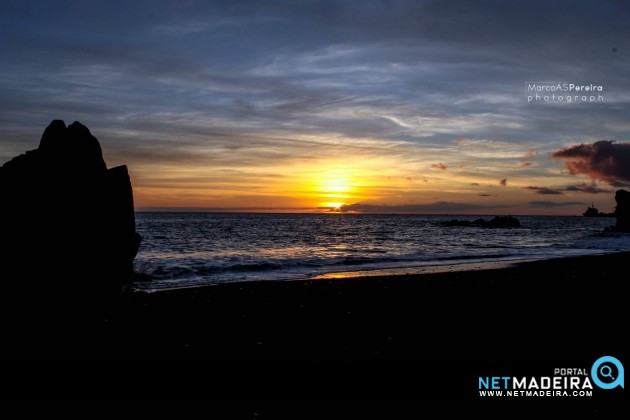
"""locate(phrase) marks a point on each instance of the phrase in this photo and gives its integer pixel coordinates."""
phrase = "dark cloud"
(503, 182)
(550, 204)
(587, 188)
(474, 184)
(437, 207)
(618, 184)
(544, 190)
(603, 160)
(486, 195)
(439, 166)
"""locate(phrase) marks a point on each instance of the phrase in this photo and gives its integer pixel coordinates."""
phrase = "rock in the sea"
(496, 222)
(67, 222)
(622, 211)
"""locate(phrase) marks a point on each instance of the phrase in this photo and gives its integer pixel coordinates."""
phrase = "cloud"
(550, 204)
(619, 184)
(486, 195)
(503, 182)
(474, 184)
(259, 87)
(526, 164)
(544, 190)
(587, 188)
(603, 160)
(439, 166)
(437, 207)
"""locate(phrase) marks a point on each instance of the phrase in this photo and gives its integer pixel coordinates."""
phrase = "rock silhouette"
(68, 228)
(496, 222)
(622, 211)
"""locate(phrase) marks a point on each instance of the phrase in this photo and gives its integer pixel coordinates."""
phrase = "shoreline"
(556, 311)
(358, 274)
(432, 267)
(425, 269)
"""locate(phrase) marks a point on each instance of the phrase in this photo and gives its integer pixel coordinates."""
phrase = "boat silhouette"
(594, 212)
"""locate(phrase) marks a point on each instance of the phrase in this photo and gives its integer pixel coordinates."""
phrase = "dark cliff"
(67, 222)
(622, 211)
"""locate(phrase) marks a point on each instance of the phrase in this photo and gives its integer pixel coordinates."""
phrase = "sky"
(352, 106)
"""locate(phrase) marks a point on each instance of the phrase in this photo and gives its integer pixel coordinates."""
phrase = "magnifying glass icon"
(606, 372)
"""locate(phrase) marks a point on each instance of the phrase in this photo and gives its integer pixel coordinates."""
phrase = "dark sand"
(441, 328)
(564, 310)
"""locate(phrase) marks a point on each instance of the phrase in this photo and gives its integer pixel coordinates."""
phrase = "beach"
(563, 311)
(406, 336)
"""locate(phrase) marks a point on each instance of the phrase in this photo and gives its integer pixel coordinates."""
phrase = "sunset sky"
(366, 106)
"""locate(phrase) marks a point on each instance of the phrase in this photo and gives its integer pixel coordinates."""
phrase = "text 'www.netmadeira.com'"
(561, 92)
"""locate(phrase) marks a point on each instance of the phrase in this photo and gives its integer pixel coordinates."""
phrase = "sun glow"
(335, 186)
(331, 185)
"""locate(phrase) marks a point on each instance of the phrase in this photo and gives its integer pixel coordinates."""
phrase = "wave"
(366, 260)
(474, 257)
(299, 268)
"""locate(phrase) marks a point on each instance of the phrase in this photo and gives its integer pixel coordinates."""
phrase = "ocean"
(190, 249)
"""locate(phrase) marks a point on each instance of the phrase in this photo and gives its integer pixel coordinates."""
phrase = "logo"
(564, 92)
(607, 372)
(565, 382)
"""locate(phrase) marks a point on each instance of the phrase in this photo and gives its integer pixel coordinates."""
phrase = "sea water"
(188, 249)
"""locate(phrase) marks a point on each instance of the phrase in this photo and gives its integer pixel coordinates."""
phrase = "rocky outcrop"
(496, 222)
(622, 211)
(67, 222)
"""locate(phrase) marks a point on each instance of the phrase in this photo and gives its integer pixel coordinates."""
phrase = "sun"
(336, 190)
(334, 205)
(333, 185)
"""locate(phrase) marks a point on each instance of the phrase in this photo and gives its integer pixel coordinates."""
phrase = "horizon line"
(315, 210)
